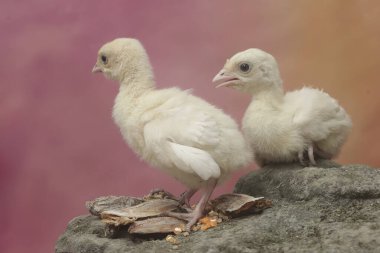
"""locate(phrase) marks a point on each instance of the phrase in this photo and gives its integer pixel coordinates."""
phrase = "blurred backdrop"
(59, 146)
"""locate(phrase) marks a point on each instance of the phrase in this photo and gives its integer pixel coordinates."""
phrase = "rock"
(329, 208)
(333, 182)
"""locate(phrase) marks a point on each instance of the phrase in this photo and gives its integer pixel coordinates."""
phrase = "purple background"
(59, 146)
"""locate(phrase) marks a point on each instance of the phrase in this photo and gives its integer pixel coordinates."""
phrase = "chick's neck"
(271, 93)
(137, 83)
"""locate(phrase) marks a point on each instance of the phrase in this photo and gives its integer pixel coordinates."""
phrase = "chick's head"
(249, 71)
(121, 58)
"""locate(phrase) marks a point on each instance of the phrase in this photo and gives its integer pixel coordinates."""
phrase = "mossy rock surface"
(327, 208)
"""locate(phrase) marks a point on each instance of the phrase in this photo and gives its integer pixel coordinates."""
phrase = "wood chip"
(156, 225)
(161, 194)
(234, 204)
(101, 204)
(116, 220)
(146, 209)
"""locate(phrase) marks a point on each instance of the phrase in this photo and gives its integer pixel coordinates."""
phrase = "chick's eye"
(104, 59)
(245, 67)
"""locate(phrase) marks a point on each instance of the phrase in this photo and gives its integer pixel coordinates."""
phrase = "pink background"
(59, 146)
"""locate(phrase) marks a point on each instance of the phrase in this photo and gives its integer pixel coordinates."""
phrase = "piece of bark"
(101, 204)
(156, 225)
(116, 220)
(234, 204)
(146, 209)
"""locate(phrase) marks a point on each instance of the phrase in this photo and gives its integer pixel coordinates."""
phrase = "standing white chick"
(171, 129)
(284, 127)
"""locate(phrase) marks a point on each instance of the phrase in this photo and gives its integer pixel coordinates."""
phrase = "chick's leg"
(197, 213)
(310, 152)
(199, 209)
(185, 197)
(300, 158)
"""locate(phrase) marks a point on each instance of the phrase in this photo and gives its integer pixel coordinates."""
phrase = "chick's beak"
(224, 78)
(96, 69)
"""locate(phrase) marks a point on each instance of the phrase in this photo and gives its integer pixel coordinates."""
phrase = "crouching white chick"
(171, 129)
(284, 127)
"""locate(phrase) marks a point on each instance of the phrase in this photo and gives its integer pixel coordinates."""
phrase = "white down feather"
(188, 138)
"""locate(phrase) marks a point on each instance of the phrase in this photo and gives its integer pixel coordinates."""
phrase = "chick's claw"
(191, 217)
